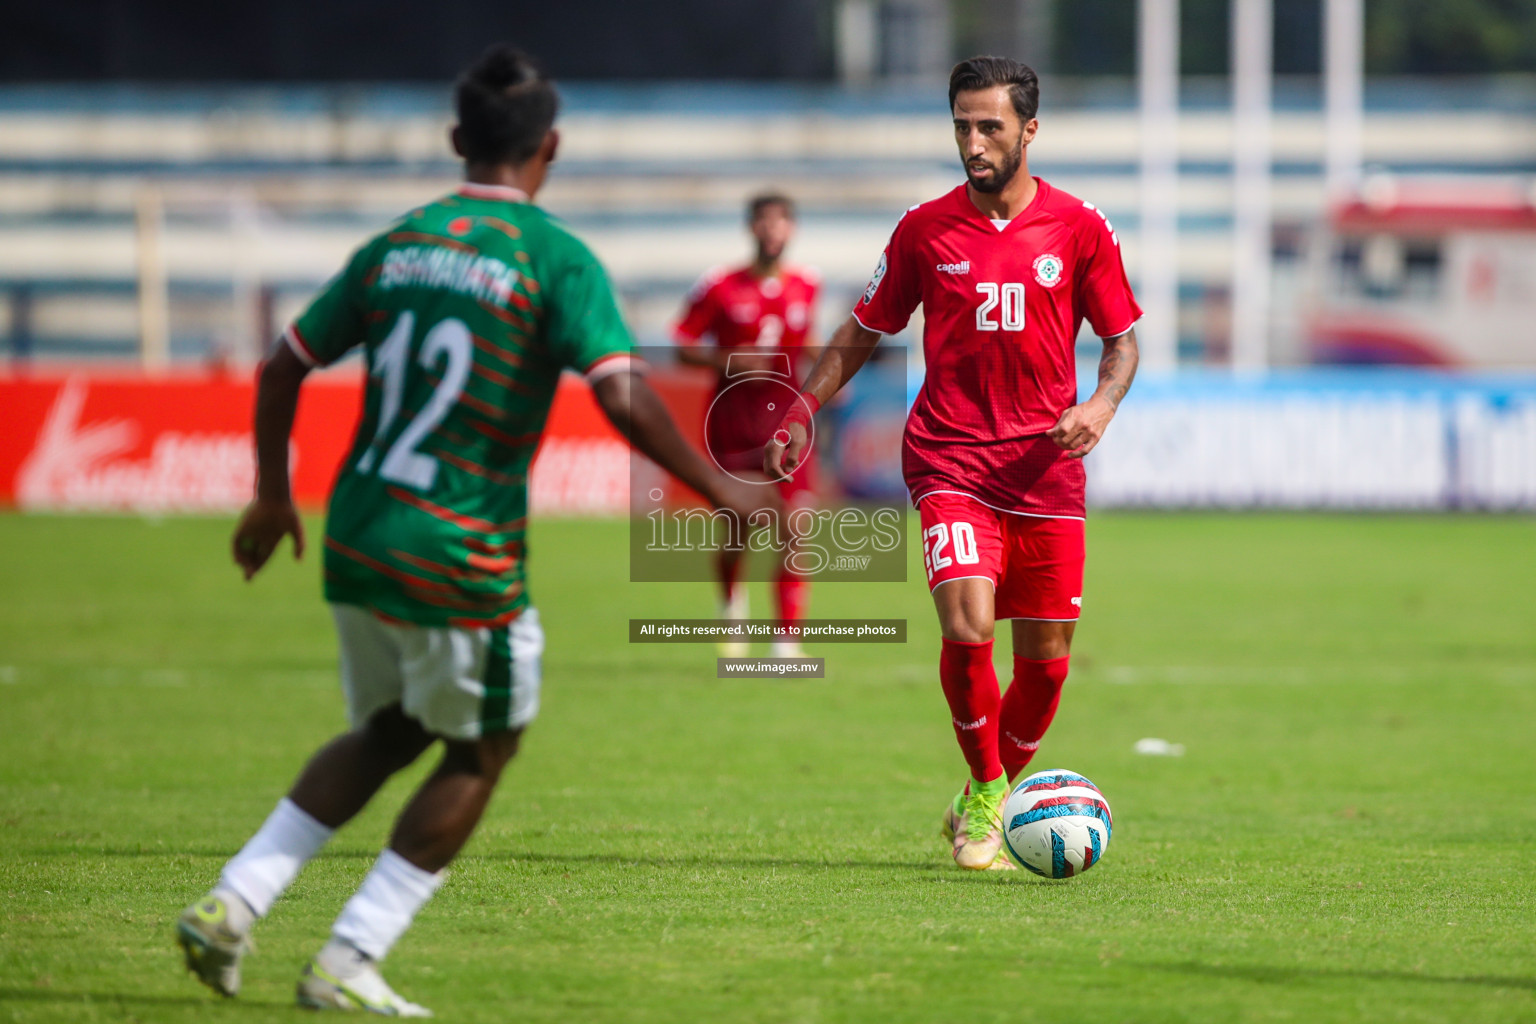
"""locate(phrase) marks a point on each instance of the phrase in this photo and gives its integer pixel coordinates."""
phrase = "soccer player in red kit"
(760, 319)
(1006, 268)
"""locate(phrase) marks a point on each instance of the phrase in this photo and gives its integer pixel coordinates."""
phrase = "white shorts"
(460, 684)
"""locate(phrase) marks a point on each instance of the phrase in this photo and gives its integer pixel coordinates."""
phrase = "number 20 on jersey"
(1002, 306)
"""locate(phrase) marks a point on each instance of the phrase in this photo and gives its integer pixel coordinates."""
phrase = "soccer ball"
(1056, 823)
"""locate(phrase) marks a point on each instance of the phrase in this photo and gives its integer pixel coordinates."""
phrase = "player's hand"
(1081, 427)
(785, 451)
(262, 526)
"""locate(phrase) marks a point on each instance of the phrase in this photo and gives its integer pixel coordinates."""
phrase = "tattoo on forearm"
(1117, 368)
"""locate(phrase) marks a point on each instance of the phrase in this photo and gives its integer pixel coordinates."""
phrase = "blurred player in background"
(1006, 268)
(758, 320)
(467, 310)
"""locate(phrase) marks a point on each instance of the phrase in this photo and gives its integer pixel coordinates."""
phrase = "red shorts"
(1035, 563)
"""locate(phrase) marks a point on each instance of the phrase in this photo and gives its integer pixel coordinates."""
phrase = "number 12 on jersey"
(1007, 299)
(449, 339)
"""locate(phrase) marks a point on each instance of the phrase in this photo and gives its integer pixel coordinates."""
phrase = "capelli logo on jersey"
(963, 267)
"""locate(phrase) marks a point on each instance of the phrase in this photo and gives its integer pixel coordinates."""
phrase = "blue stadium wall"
(351, 40)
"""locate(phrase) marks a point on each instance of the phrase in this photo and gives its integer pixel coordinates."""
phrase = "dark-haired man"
(1006, 269)
(760, 318)
(467, 310)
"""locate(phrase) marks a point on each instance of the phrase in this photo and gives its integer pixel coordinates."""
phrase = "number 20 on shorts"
(946, 544)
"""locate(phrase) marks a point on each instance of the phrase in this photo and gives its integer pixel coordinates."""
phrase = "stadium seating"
(263, 192)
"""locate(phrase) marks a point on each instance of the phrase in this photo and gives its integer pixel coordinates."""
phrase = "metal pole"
(1343, 92)
(1252, 49)
(1158, 74)
(858, 41)
(154, 316)
(245, 344)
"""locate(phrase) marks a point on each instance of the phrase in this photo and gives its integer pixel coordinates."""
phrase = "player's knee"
(395, 738)
(1042, 641)
(967, 626)
(498, 748)
(485, 757)
(969, 632)
(1047, 650)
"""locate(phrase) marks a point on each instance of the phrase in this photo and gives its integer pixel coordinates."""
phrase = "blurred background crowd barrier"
(1327, 208)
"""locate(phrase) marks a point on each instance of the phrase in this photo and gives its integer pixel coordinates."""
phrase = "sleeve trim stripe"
(1127, 327)
(866, 326)
(296, 342)
(618, 362)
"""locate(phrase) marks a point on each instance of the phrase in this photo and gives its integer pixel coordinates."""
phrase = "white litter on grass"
(1151, 746)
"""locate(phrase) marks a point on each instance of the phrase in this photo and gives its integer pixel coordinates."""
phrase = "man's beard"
(1003, 175)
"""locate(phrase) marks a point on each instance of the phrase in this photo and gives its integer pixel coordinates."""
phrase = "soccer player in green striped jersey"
(467, 310)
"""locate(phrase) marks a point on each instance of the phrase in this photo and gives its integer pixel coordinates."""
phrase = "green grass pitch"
(1351, 835)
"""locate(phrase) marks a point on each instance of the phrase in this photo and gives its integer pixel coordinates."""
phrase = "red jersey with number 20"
(1002, 305)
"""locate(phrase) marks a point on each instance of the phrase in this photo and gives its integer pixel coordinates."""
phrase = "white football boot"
(214, 935)
(785, 649)
(735, 610)
(342, 978)
(977, 842)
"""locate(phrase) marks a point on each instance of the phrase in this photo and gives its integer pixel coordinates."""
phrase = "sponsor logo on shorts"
(1077, 603)
(963, 267)
(1048, 270)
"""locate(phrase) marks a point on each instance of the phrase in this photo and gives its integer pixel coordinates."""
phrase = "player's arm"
(700, 311)
(840, 359)
(637, 412)
(272, 515)
(1081, 426)
(708, 356)
(328, 328)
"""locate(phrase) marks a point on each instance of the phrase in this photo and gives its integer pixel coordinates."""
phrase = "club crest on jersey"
(874, 282)
(1048, 270)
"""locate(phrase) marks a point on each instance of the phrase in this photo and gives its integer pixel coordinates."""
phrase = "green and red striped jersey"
(467, 311)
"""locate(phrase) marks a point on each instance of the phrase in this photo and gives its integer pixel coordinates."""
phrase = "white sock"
(385, 903)
(268, 864)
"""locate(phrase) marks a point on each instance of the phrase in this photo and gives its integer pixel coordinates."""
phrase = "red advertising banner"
(182, 442)
(167, 443)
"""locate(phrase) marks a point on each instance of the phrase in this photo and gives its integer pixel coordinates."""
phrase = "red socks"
(1027, 709)
(791, 592)
(970, 686)
(727, 570)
